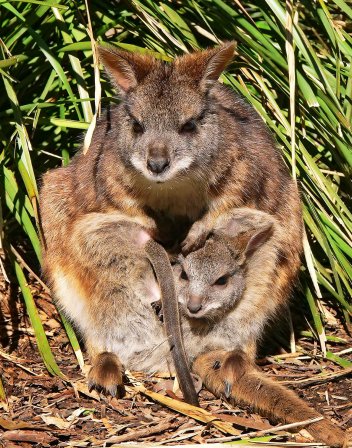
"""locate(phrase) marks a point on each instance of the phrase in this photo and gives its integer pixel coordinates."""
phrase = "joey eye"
(222, 281)
(183, 275)
(137, 127)
(189, 127)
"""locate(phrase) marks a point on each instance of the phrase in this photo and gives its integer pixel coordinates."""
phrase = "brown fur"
(219, 156)
(233, 374)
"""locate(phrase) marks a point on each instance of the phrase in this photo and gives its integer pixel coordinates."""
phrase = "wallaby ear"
(258, 239)
(126, 69)
(248, 228)
(206, 66)
(218, 62)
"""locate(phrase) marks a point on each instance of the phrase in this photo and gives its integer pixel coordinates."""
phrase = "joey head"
(212, 279)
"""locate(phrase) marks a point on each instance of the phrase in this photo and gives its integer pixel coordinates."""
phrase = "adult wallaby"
(177, 153)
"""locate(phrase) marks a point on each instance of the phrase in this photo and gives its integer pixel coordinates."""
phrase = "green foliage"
(298, 76)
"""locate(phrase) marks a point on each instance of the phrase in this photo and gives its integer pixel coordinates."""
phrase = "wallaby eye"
(222, 280)
(137, 127)
(183, 275)
(189, 127)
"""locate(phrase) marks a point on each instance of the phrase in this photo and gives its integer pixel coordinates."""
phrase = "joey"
(218, 288)
(221, 288)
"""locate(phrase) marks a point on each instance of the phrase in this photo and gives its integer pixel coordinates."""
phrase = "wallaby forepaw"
(208, 367)
(196, 238)
(220, 370)
(107, 374)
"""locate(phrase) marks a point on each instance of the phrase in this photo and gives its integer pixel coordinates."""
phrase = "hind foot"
(234, 376)
(329, 433)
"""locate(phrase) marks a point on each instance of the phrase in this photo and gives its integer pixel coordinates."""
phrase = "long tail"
(231, 374)
(162, 267)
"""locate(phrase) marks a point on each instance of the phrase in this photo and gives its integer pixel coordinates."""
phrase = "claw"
(217, 365)
(197, 381)
(228, 389)
(112, 390)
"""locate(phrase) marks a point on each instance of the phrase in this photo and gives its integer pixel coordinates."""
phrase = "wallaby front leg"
(106, 372)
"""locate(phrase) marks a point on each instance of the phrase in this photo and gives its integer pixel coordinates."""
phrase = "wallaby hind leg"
(233, 375)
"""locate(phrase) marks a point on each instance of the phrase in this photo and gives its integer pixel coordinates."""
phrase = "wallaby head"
(212, 279)
(168, 120)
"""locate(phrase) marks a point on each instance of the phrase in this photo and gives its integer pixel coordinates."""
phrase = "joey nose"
(194, 305)
(158, 165)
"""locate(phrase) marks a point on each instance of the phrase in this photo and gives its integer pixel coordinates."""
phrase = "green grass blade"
(46, 51)
(73, 340)
(3, 399)
(312, 302)
(14, 200)
(42, 341)
(338, 360)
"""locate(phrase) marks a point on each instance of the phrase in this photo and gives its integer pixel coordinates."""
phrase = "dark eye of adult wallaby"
(137, 127)
(189, 127)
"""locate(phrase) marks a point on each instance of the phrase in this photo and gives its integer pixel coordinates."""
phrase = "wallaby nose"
(158, 165)
(158, 158)
(194, 304)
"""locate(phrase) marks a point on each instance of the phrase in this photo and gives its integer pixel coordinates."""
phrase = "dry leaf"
(55, 421)
(10, 425)
(19, 435)
(75, 414)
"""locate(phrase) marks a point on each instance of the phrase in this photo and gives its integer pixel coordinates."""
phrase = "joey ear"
(126, 69)
(248, 231)
(206, 66)
(258, 239)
